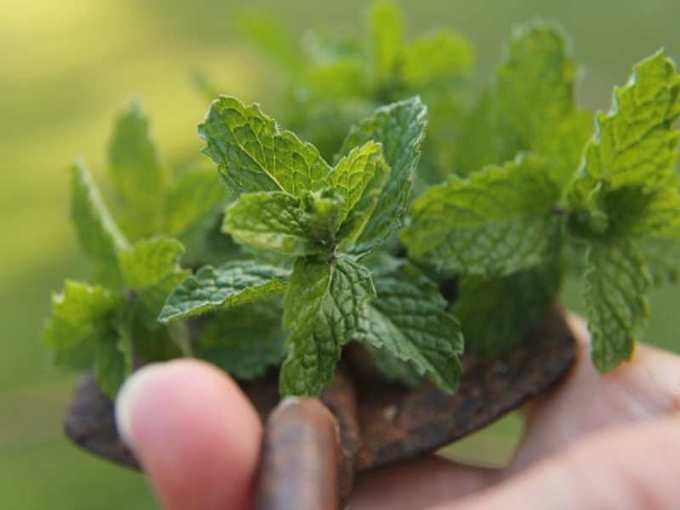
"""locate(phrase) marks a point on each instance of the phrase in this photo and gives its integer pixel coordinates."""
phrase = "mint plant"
(324, 219)
(334, 79)
(516, 217)
(416, 218)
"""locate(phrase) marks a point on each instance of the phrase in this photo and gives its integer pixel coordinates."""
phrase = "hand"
(598, 442)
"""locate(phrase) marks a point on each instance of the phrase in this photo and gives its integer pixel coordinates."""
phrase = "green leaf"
(112, 362)
(152, 271)
(138, 177)
(395, 370)
(321, 312)
(234, 283)
(409, 320)
(531, 107)
(386, 39)
(150, 261)
(436, 57)
(494, 223)
(254, 154)
(99, 235)
(79, 315)
(244, 341)
(354, 173)
(616, 287)
(496, 315)
(635, 144)
(400, 128)
(192, 197)
(84, 330)
(283, 223)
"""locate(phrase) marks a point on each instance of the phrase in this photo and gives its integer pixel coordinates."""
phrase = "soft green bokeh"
(68, 66)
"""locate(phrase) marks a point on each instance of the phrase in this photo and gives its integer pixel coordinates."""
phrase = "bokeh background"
(68, 66)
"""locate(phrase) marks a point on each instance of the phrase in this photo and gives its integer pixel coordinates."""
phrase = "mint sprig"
(294, 203)
(623, 202)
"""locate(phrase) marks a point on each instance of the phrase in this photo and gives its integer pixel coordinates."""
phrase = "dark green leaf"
(234, 283)
(409, 320)
(321, 312)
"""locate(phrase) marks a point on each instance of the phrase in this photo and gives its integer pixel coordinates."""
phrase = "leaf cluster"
(400, 212)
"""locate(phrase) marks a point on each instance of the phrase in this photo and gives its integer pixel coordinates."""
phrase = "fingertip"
(194, 431)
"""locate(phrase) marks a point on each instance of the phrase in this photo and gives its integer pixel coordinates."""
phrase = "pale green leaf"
(112, 361)
(254, 154)
(150, 261)
(321, 312)
(79, 313)
(616, 287)
(353, 174)
(193, 196)
(436, 57)
(283, 223)
(400, 128)
(138, 177)
(493, 223)
(531, 107)
(635, 144)
(409, 320)
(211, 289)
(98, 234)
(245, 341)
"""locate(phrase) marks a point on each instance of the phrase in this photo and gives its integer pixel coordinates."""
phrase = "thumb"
(194, 432)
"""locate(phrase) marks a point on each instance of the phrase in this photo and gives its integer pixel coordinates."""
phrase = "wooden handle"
(301, 458)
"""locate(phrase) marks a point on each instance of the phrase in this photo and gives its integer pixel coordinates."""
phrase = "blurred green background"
(66, 68)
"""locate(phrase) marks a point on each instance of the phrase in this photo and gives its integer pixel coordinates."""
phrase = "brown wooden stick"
(301, 456)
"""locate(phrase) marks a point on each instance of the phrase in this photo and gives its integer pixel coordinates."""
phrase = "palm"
(592, 424)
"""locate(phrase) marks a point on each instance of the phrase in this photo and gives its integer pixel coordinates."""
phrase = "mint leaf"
(244, 341)
(234, 283)
(493, 223)
(400, 128)
(395, 370)
(254, 154)
(616, 287)
(193, 196)
(151, 271)
(150, 261)
(434, 58)
(635, 144)
(497, 314)
(99, 235)
(386, 39)
(531, 107)
(82, 330)
(409, 321)
(112, 362)
(138, 177)
(283, 223)
(353, 174)
(321, 312)
(79, 313)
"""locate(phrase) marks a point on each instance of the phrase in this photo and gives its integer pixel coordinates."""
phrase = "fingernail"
(128, 396)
